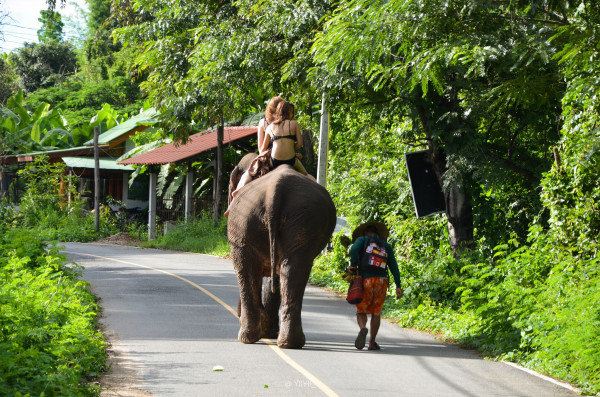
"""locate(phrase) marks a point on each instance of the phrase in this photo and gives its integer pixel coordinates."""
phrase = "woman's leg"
(246, 177)
(300, 168)
(243, 181)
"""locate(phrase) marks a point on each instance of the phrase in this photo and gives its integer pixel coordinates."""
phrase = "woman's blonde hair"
(278, 109)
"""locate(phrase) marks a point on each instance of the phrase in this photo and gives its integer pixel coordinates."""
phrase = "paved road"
(170, 333)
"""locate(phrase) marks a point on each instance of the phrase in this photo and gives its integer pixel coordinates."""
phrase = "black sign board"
(426, 190)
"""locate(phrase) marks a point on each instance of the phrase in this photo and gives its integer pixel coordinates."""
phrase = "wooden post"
(15, 189)
(323, 143)
(3, 188)
(152, 206)
(96, 180)
(218, 174)
(189, 194)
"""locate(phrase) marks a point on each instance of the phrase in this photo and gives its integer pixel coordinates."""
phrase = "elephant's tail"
(273, 249)
(272, 226)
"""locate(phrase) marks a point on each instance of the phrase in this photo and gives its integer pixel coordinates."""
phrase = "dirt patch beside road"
(120, 239)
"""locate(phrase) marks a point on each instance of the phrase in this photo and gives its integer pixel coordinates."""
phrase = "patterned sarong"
(374, 296)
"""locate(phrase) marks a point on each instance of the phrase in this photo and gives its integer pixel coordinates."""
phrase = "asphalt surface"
(170, 335)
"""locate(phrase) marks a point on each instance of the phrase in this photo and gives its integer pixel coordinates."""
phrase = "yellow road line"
(272, 344)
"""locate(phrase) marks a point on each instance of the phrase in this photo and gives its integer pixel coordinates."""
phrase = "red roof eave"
(196, 144)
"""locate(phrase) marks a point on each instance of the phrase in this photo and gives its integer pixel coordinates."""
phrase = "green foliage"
(43, 182)
(199, 235)
(22, 130)
(44, 64)
(49, 344)
(52, 26)
(218, 58)
(571, 191)
(79, 101)
(328, 268)
(76, 224)
(44, 209)
(9, 80)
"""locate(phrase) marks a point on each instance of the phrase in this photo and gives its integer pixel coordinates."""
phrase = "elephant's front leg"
(294, 276)
(271, 302)
(249, 280)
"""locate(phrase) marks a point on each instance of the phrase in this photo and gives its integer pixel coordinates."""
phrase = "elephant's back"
(298, 210)
(306, 213)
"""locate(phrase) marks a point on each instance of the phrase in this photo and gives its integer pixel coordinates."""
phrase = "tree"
(225, 57)
(9, 80)
(45, 64)
(478, 83)
(99, 47)
(52, 26)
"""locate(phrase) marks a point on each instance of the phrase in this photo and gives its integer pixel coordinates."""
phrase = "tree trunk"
(459, 211)
(3, 184)
(460, 218)
(309, 159)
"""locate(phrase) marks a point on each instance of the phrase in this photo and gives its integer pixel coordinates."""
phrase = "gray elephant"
(277, 225)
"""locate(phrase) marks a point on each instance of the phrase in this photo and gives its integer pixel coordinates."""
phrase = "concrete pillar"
(152, 206)
(189, 195)
(323, 144)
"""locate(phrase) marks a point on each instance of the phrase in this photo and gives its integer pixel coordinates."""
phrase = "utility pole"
(323, 143)
(218, 172)
(96, 180)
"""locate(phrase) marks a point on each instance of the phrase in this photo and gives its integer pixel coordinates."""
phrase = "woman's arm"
(261, 135)
(299, 140)
(265, 144)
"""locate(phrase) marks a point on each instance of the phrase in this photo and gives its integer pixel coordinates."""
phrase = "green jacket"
(357, 251)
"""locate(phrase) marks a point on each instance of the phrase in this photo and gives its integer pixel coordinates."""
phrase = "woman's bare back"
(285, 139)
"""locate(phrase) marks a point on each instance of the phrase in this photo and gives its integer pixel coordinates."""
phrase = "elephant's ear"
(234, 178)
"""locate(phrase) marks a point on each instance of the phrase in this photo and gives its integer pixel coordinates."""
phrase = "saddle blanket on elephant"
(375, 290)
(260, 165)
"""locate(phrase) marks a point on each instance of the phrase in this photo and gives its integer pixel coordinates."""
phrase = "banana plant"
(24, 131)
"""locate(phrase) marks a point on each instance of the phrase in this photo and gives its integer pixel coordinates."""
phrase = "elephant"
(277, 225)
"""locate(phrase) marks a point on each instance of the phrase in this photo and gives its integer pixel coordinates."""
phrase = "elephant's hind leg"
(271, 302)
(294, 276)
(250, 280)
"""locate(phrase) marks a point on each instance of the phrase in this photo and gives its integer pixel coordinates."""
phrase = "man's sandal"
(374, 346)
(361, 339)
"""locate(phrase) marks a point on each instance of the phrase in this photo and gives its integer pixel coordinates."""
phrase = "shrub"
(48, 341)
(44, 207)
(199, 235)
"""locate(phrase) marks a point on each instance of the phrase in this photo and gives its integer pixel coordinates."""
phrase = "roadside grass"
(76, 227)
(198, 235)
(49, 341)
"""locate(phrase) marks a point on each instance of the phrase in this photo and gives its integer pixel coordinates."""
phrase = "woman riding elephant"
(277, 225)
(279, 137)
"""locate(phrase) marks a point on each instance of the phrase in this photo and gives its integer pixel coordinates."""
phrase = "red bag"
(355, 291)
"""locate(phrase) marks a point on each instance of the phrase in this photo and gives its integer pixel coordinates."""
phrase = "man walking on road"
(372, 255)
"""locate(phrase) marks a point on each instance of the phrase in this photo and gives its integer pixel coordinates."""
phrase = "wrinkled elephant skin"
(277, 225)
